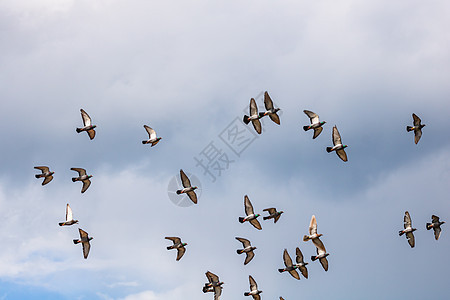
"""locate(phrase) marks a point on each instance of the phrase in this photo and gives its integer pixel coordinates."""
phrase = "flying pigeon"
(82, 176)
(408, 229)
(48, 176)
(213, 285)
(315, 123)
(254, 292)
(188, 189)
(69, 218)
(301, 264)
(152, 139)
(177, 244)
(321, 256)
(273, 214)
(84, 239)
(248, 249)
(436, 225)
(417, 128)
(88, 127)
(251, 216)
(338, 146)
(254, 117)
(312, 230)
(270, 111)
(289, 266)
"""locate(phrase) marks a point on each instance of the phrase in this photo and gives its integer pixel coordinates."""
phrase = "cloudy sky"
(189, 69)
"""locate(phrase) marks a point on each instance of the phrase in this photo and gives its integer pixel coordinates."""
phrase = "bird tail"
(79, 130)
(38, 175)
(241, 219)
(246, 294)
(205, 289)
(61, 224)
(74, 179)
(305, 238)
(178, 192)
(246, 119)
(240, 251)
(409, 128)
(428, 226)
(329, 149)
(76, 241)
(306, 128)
(266, 218)
(400, 233)
(144, 142)
(313, 258)
(281, 270)
(169, 248)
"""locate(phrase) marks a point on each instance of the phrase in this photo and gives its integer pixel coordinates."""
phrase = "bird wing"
(180, 252)
(304, 271)
(267, 101)
(80, 171)
(276, 218)
(86, 184)
(193, 196)
(437, 232)
(47, 180)
(253, 285)
(274, 117)
(416, 120)
(294, 274)
(336, 136)
(287, 259)
(313, 117)
(417, 134)
(317, 131)
(69, 216)
(434, 219)
(184, 179)
(299, 256)
(151, 132)
(212, 277)
(313, 225)
(256, 297)
(86, 118)
(407, 220)
(83, 234)
(44, 169)
(411, 240)
(91, 133)
(217, 292)
(249, 257)
(253, 108)
(342, 154)
(248, 206)
(257, 125)
(174, 239)
(245, 242)
(324, 263)
(256, 224)
(86, 249)
(271, 210)
(319, 245)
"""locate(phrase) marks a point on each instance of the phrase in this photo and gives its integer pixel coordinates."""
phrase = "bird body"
(417, 128)
(270, 110)
(82, 176)
(254, 117)
(273, 214)
(251, 216)
(69, 217)
(254, 292)
(187, 187)
(248, 249)
(88, 127)
(152, 138)
(338, 146)
(85, 241)
(289, 266)
(316, 124)
(213, 285)
(407, 224)
(177, 244)
(46, 173)
(436, 226)
(301, 264)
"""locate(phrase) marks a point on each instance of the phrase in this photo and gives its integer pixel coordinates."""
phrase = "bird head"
(89, 176)
(280, 212)
(345, 146)
(93, 126)
(51, 173)
(220, 283)
(91, 238)
(257, 215)
(195, 187)
(323, 122)
(184, 244)
(319, 235)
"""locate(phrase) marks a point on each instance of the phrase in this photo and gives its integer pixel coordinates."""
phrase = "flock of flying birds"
(214, 285)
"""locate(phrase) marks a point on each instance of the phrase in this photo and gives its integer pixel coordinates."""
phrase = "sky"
(189, 69)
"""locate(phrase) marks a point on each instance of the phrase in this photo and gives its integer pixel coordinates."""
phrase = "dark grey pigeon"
(273, 214)
(254, 117)
(301, 264)
(338, 146)
(289, 266)
(436, 225)
(316, 124)
(152, 139)
(270, 110)
(69, 217)
(45, 172)
(254, 292)
(83, 177)
(251, 216)
(87, 125)
(213, 285)
(407, 224)
(248, 249)
(85, 241)
(177, 244)
(188, 189)
(417, 128)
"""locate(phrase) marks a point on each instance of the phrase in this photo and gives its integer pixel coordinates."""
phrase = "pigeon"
(254, 292)
(273, 214)
(213, 285)
(315, 123)
(84, 239)
(188, 189)
(270, 111)
(436, 225)
(152, 139)
(254, 117)
(408, 229)
(177, 244)
(281, 298)
(48, 176)
(312, 230)
(290, 267)
(248, 249)
(321, 256)
(251, 216)
(69, 218)
(82, 176)
(338, 146)
(88, 127)
(300, 263)
(417, 128)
